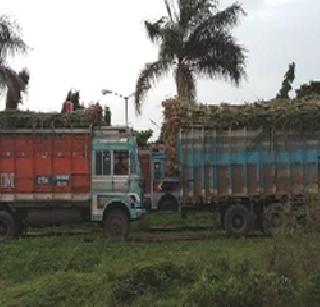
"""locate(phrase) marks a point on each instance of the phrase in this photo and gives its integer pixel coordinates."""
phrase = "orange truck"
(50, 176)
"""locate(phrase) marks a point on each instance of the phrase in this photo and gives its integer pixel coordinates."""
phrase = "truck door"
(120, 171)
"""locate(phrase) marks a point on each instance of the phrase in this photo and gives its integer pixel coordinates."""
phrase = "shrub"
(310, 295)
(141, 280)
(239, 285)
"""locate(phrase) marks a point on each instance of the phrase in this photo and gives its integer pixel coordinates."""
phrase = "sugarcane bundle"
(49, 120)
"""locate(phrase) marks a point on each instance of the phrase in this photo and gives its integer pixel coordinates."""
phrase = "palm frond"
(220, 21)
(230, 16)
(11, 41)
(193, 10)
(154, 30)
(169, 10)
(220, 57)
(14, 83)
(6, 74)
(148, 76)
(172, 10)
(171, 44)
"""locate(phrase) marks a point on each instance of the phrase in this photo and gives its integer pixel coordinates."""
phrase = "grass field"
(86, 270)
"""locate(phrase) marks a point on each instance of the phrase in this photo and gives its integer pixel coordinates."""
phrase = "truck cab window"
(103, 163)
(121, 162)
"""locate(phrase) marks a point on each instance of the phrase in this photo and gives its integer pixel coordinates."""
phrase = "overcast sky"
(90, 45)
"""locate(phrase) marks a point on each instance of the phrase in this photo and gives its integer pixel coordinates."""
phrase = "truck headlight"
(134, 198)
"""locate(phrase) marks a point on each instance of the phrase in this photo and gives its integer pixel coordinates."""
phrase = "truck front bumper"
(140, 212)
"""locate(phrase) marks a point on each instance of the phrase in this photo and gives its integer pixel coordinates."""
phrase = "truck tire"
(8, 227)
(273, 219)
(237, 221)
(222, 218)
(116, 225)
(168, 205)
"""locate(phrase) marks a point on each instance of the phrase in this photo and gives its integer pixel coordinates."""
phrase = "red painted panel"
(45, 163)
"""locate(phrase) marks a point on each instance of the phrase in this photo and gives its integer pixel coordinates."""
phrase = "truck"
(51, 175)
(248, 175)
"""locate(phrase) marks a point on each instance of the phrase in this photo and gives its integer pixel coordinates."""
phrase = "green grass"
(173, 219)
(87, 270)
(38, 272)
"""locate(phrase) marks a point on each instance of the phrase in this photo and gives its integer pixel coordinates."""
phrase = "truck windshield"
(121, 162)
(103, 163)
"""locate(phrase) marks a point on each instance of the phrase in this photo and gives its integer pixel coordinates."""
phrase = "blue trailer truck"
(248, 175)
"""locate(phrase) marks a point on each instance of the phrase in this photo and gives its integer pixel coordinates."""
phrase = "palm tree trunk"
(13, 98)
(185, 83)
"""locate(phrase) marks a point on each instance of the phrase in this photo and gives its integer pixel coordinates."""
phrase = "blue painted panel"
(270, 156)
(253, 158)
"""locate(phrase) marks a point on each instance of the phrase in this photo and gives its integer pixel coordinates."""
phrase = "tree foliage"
(286, 86)
(11, 44)
(143, 136)
(161, 137)
(309, 90)
(195, 39)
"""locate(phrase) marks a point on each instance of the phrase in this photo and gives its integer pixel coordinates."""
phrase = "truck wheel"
(168, 205)
(273, 219)
(237, 221)
(222, 218)
(116, 225)
(8, 227)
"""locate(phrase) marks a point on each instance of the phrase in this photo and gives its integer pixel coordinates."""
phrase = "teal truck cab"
(116, 180)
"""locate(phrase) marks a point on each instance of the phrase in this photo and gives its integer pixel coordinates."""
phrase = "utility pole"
(126, 101)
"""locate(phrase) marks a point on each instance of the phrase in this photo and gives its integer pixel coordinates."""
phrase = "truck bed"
(39, 166)
(216, 164)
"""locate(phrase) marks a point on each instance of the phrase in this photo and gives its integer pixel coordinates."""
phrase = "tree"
(308, 90)
(143, 136)
(11, 43)
(161, 137)
(286, 86)
(195, 39)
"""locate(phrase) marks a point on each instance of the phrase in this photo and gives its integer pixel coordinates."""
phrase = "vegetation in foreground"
(88, 270)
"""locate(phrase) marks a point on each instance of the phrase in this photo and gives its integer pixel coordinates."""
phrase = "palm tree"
(194, 39)
(11, 43)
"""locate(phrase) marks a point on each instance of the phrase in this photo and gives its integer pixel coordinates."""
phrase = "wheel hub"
(238, 222)
(276, 221)
(116, 226)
